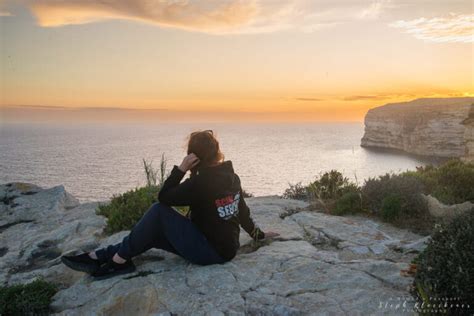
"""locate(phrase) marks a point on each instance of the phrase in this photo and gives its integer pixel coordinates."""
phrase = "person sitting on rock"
(209, 236)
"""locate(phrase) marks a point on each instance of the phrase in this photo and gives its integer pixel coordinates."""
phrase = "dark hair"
(206, 147)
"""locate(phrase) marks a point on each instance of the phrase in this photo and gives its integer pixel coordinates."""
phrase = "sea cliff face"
(437, 127)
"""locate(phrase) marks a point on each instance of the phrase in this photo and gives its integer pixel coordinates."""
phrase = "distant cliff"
(438, 127)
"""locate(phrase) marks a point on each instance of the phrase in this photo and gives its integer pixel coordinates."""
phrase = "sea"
(95, 161)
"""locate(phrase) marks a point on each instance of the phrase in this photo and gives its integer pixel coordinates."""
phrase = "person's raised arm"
(174, 193)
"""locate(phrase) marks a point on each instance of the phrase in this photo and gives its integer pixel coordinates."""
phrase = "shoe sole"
(82, 267)
(116, 273)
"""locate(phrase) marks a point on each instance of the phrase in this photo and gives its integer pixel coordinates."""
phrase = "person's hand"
(189, 162)
(269, 235)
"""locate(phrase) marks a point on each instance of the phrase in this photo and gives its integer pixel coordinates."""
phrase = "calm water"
(95, 161)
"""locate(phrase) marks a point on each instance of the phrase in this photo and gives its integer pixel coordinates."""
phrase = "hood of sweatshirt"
(221, 175)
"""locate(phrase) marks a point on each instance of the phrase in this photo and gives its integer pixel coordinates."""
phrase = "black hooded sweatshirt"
(216, 203)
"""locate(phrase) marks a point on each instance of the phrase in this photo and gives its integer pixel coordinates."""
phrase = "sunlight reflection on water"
(95, 161)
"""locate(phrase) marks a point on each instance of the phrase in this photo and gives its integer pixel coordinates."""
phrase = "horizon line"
(117, 108)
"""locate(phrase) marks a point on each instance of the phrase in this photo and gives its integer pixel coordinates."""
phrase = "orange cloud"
(218, 17)
(452, 28)
(180, 14)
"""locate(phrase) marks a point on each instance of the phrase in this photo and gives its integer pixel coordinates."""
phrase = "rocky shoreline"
(320, 263)
(434, 127)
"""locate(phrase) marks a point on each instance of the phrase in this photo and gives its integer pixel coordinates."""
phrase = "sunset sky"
(302, 60)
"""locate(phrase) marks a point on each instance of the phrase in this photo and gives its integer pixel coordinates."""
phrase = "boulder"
(438, 209)
(38, 225)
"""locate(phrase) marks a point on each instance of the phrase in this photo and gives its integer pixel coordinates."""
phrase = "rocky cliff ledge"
(437, 127)
(320, 263)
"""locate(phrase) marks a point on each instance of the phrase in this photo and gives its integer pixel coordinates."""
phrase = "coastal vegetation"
(32, 298)
(450, 183)
(445, 269)
(327, 190)
(394, 198)
(126, 209)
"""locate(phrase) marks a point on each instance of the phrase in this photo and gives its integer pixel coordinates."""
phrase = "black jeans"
(164, 228)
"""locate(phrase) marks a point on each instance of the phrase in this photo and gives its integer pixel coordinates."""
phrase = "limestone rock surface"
(320, 264)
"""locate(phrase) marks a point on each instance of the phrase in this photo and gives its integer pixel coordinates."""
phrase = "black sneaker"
(81, 262)
(111, 269)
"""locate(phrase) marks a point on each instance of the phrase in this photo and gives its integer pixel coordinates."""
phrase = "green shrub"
(124, 210)
(296, 191)
(451, 182)
(406, 187)
(391, 208)
(397, 199)
(331, 186)
(445, 269)
(349, 203)
(27, 299)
